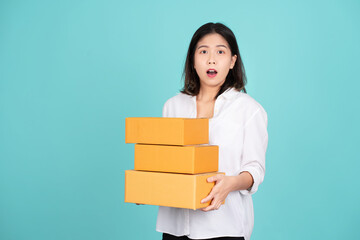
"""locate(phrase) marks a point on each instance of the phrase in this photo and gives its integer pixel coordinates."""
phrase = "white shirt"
(239, 128)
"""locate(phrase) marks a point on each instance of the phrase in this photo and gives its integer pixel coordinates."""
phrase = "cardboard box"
(167, 189)
(168, 131)
(190, 159)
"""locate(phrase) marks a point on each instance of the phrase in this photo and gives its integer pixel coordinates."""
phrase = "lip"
(211, 75)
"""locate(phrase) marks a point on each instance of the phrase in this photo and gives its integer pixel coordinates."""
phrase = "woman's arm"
(224, 185)
(252, 163)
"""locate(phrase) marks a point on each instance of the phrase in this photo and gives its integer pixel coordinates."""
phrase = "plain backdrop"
(71, 71)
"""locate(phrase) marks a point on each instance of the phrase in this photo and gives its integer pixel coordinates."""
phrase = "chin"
(210, 83)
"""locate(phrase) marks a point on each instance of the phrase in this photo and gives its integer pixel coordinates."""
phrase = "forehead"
(212, 39)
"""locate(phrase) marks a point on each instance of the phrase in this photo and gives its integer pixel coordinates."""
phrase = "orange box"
(191, 159)
(167, 189)
(168, 131)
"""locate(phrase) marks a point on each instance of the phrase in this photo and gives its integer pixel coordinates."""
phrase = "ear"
(233, 60)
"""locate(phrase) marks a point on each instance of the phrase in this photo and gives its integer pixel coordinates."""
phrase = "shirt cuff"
(257, 180)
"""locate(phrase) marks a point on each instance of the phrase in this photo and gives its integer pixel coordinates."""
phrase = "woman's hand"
(223, 186)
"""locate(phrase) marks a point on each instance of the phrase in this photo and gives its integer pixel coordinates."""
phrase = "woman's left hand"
(219, 192)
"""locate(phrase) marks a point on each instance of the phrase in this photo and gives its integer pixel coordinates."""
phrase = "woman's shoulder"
(250, 101)
(180, 105)
(247, 103)
(179, 98)
(241, 98)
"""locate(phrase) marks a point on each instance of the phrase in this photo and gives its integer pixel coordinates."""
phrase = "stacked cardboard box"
(171, 167)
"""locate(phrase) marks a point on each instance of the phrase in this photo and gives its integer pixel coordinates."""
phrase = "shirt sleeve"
(255, 145)
(165, 112)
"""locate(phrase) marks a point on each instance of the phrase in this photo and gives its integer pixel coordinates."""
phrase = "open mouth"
(211, 72)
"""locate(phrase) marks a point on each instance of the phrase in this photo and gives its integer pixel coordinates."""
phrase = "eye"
(203, 51)
(221, 52)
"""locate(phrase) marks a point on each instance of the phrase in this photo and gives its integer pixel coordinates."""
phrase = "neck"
(207, 94)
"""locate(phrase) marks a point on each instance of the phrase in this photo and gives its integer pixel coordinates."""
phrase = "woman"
(215, 88)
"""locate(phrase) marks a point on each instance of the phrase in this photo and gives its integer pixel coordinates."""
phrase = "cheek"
(197, 69)
(198, 64)
(227, 64)
(198, 59)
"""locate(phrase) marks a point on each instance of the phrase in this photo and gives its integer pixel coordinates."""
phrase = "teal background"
(71, 71)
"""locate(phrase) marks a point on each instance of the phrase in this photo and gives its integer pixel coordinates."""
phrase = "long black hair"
(236, 77)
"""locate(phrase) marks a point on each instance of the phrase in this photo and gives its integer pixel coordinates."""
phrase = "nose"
(211, 59)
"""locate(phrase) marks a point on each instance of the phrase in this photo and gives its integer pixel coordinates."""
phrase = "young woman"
(215, 88)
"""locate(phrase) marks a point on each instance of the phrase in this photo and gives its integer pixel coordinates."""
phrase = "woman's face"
(213, 60)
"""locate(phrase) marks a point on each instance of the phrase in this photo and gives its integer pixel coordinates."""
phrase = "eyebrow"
(208, 46)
